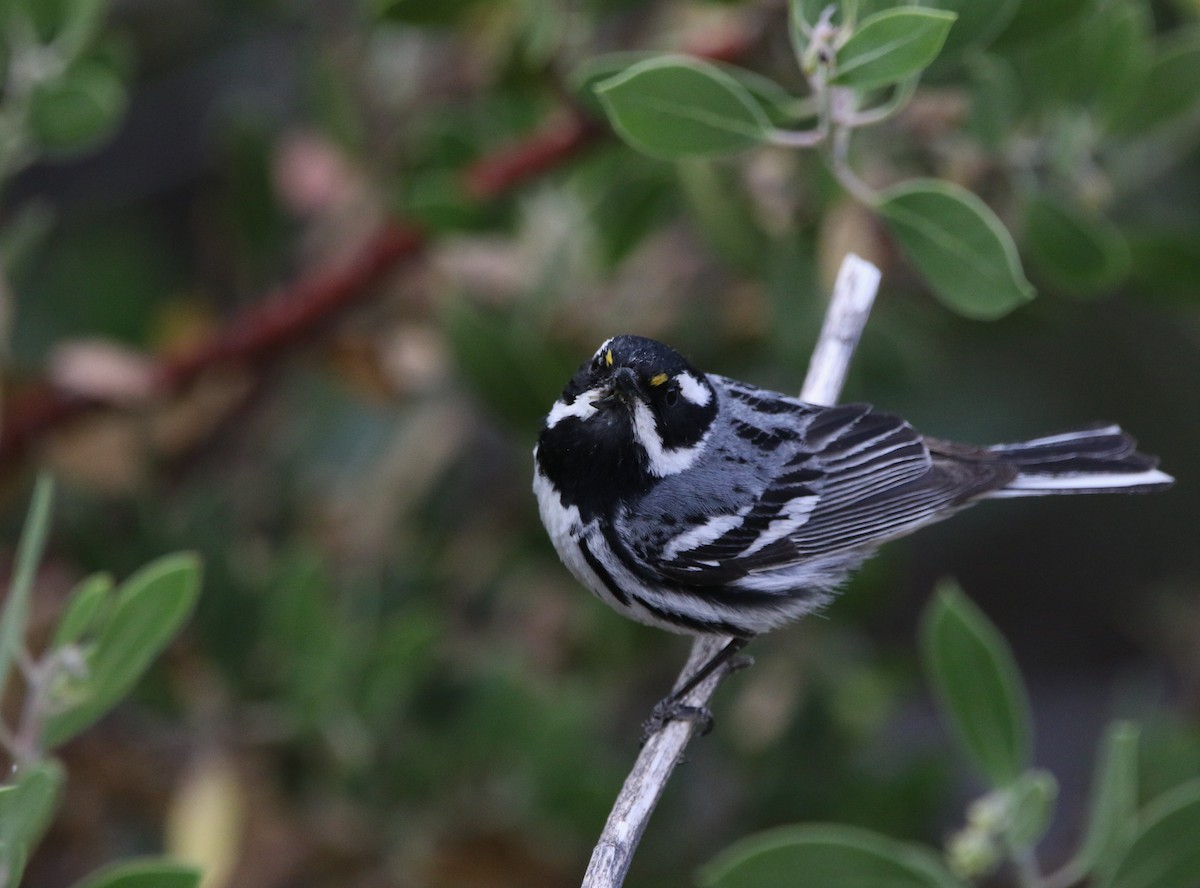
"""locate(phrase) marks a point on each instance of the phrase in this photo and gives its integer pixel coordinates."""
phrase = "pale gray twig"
(849, 307)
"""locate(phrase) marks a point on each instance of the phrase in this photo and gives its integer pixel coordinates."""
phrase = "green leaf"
(778, 104)
(158, 872)
(676, 106)
(444, 13)
(978, 23)
(1075, 250)
(1116, 56)
(720, 212)
(1171, 87)
(996, 101)
(83, 606)
(960, 246)
(29, 555)
(150, 607)
(75, 111)
(1164, 853)
(1036, 18)
(891, 46)
(977, 684)
(825, 855)
(26, 808)
(1033, 797)
(1112, 808)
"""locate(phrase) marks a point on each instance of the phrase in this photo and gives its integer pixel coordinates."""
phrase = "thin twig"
(849, 307)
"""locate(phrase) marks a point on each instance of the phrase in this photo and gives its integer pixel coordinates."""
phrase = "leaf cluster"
(1063, 96)
(105, 640)
(983, 699)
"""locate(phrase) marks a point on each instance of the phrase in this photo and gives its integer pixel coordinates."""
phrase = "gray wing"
(852, 479)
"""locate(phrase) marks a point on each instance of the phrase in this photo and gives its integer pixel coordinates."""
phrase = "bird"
(703, 505)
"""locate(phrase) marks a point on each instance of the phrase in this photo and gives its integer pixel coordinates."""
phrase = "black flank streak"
(602, 572)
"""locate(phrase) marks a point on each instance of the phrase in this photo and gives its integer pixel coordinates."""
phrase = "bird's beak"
(622, 385)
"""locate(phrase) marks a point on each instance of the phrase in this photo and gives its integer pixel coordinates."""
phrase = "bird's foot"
(672, 709)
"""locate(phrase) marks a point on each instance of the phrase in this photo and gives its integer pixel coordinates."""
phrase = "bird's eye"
(671, 395)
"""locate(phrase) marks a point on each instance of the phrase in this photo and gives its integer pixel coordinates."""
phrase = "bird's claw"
(672, 709)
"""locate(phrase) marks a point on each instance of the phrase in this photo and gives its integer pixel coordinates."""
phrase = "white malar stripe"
(714, 527)
(663, 461)
(693, 389)
(793, 517)
(1031, 485)
(583, 407)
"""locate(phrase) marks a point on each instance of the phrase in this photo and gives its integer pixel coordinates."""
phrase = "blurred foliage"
(403, 682)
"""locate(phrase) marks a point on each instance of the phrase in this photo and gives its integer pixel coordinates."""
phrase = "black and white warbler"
(700, 504)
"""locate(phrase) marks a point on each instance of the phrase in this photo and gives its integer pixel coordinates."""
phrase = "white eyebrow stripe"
(693, 389)
(581, 408)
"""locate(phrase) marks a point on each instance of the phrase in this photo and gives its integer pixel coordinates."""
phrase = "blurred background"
(291, 284)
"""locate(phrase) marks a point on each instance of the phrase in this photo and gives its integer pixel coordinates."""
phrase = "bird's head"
(636, 408)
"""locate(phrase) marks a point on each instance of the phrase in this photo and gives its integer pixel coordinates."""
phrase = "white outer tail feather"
(1080, 482)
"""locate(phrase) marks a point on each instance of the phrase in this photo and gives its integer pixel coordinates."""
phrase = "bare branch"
(849, 307)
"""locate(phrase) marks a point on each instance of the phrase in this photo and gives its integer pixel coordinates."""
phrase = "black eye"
(671, 395)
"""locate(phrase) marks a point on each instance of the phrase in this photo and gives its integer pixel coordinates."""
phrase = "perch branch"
(849, 307)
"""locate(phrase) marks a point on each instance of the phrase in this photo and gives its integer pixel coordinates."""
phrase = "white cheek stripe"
(693, 389)
(583, 407)
(663, 461)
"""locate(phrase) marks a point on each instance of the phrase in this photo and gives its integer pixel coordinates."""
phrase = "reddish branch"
(264, 331)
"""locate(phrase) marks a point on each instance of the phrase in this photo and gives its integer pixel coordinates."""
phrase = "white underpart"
(663, 461)
(583, 407)
(714, 527)
(566, 530)
(563, 524)
(693, 389)
(792, 517)
(1031, 485)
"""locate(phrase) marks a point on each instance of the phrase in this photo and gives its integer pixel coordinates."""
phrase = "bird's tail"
(1102, 459)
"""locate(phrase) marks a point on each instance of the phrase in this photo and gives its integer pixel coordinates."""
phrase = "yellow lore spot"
(658, 379)
(608, 358)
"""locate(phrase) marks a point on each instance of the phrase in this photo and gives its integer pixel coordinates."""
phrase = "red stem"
(263, 331)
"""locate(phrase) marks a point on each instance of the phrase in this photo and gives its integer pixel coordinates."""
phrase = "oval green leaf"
(1033, 798)
(978, 23)
(158, 872)
(891, 46)
(83, 606)
(959, 245)
(1164, 853)
(1171, 87)
(977, 684)
(26, 808)
(1036, 18)
(150, 608)
(673, 107)
(74, 112)
(996, 101)
(1074, 249)
(1112, 807)
(825, 854)
(1115, 57)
